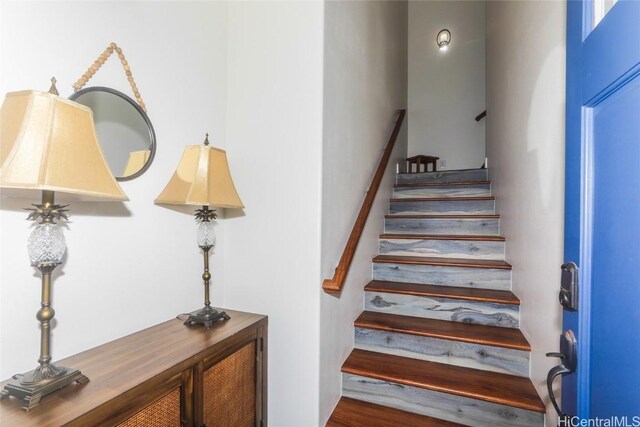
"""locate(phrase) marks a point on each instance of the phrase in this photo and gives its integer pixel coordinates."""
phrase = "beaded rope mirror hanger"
(126, 134)
(82, 81)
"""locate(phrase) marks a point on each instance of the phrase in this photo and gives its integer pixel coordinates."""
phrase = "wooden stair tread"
(435, 291)
(357, 413)
(488, 386)
(443, 237)
(494, 336)
(442, 199)
(443, 262)
(440, 184)
(457, 216)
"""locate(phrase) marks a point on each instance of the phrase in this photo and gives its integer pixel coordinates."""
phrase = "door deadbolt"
(569, 286)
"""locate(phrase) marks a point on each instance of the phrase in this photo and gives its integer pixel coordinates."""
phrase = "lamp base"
(30, 392)
(206, 316)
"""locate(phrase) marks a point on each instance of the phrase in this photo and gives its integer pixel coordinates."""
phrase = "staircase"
(438, 343)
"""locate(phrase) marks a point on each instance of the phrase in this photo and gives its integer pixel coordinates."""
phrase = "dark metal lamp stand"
(46, 378)
(207, 315)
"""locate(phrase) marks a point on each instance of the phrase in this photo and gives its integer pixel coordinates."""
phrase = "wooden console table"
(164, 376)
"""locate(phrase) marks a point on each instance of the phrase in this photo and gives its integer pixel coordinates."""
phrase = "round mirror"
(126, 135)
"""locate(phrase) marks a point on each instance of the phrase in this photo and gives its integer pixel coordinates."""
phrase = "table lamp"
(48, 144)
(203, 179)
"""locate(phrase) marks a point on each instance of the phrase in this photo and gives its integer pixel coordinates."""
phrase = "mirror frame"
(152, 133)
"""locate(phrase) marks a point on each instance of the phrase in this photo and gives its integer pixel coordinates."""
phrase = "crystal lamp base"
(206, 316)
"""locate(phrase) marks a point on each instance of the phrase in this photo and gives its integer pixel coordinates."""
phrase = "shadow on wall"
(544, 138)
(525, 142)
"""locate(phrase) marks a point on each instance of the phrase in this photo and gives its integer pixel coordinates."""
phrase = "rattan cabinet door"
(164, 412)
(229, 390)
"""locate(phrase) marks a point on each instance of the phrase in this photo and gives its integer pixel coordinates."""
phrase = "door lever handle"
(568, 365)
(559, 355)
(553, 373)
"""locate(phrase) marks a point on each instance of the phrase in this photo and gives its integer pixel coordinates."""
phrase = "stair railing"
(335, 284)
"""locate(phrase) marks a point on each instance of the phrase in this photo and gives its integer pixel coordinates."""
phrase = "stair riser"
(442, 226)
(470, 249)
(455, 310)
(471, 207)
(476, 190)
(470, 355)
(445, 406)
(484, 278)
(444, 176)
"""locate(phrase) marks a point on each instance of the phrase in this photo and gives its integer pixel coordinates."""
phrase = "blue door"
(602, 217)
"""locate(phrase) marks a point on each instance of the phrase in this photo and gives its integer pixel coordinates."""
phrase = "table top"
(422, 157)
(118, 366)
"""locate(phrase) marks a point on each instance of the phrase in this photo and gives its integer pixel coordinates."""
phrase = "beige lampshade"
(50, 143)
(201, 179)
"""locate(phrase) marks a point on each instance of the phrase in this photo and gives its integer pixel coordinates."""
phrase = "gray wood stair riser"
(466, 226)
(464, 410)
(450, 407)
(455, 310)
(444, 176)
(475, 190)
(448, 207)
(470, 249)
(450, 352)
(465, 277)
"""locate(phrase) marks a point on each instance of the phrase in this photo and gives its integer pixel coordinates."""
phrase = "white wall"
(130, 265)
(525, 145)
(364, 84)
(447, 89)
(274, 141)
(251, 74)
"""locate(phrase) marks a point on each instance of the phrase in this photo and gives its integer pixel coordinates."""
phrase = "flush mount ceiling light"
(443, 39)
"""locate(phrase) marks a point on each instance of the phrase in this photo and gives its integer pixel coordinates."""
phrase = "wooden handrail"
(481, 116)
(335, 284)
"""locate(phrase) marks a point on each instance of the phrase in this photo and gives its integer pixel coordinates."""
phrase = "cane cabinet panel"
(163, 412)
(233, 376)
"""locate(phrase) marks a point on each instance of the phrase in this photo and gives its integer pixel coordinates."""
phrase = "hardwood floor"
(356, 413)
